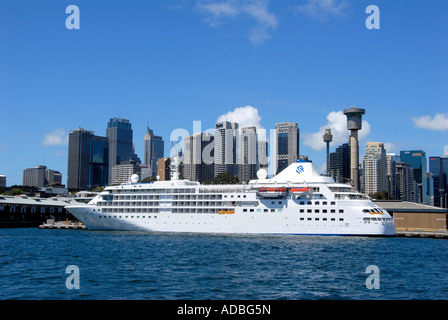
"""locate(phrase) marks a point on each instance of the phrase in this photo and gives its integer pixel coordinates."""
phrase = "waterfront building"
(340, 163)
(226, 147)
(249, 164)
(34, 177)
(198, 157)
(121, 173)
(286, 145)
(438, 166)
(23, 211)
(121, 149)
(53, 177)
(445, 151)
(88, 160)
(2, 181)
(417, 159)
(375, 168)
(40, 176)
(154, 149)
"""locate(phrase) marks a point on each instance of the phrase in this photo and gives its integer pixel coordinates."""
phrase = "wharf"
(439, 234)
(62, 225)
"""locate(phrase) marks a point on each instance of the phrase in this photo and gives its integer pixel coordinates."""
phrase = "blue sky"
(169, 63)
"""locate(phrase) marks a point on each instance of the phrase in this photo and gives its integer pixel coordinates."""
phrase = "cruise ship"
(297, 201)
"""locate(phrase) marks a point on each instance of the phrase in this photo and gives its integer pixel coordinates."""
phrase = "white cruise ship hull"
(238, 223)
(327, 208)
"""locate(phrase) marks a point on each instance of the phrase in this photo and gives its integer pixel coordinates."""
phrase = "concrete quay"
(439, 234)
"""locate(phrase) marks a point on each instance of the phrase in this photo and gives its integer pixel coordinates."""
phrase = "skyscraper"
(417, 159)
(263, 153)
(2, 181)
(438, 166)
(154, 150)
(375, 168)
(392, 189)
(405, 183)
(119, 132)
(88, 160)
(198, 157)
(163, 169)
(340, 163)
(286, 145)
(226, 147)
(249, 163)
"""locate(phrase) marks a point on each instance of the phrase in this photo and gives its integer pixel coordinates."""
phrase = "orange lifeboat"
(299, 190)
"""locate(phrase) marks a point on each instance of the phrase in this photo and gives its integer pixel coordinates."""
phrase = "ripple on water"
(126, 265)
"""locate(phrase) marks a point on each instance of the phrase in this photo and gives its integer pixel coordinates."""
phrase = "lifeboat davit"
(272, 192)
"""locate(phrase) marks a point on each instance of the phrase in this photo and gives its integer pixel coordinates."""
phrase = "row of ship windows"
(301, 210)
(127, 217)
(324, 203)
(310, 203)
(169, 197)
(323, 219)
(161, 210)
(214, 210)
(177, 191)
(367, 220)
(164, 204)
(155, 217)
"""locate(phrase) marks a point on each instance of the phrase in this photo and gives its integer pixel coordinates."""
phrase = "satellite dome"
(135, 178)
(262, 174)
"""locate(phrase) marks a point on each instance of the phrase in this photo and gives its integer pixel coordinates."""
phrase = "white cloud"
(322, 9)
(390, 147)
(438, 123)
(337, 122)
(55, 138)
(245, 116)
(219, 11)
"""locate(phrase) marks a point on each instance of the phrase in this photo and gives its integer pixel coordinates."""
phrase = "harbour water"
(136, 266)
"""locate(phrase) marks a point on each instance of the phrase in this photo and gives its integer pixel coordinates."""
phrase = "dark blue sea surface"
(156, 266)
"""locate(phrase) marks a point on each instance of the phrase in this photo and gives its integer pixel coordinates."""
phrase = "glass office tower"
(87, 160)
(417, 159)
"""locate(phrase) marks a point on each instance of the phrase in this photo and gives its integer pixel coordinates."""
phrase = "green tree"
(224, 178)
(149, 179)
(381, 195)
(15, 192)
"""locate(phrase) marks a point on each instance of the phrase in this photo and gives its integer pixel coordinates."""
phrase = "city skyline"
(170, 63)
